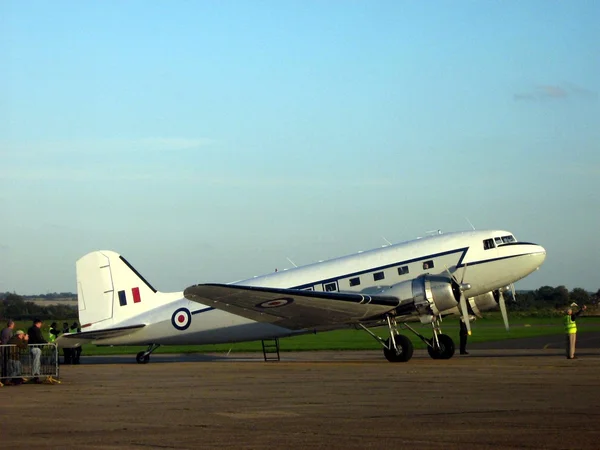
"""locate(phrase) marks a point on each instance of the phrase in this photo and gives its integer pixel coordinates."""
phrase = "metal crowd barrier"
(37, 360)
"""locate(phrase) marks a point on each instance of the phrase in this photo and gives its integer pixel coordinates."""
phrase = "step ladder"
(271, 349)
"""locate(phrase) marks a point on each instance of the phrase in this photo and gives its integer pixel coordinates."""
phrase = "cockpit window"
(488, 244)
(498, 240)
(508, 239)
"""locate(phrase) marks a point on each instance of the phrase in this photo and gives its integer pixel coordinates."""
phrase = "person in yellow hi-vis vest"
(53, 332)
(571, 330)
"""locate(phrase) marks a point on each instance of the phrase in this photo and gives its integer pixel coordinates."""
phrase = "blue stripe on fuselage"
(387, 266)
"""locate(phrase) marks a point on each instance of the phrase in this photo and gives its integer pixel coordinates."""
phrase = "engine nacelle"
(432, 294)
(484, 302)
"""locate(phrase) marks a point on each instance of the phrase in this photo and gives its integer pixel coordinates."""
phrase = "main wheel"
(446, 350)
(404, 346)
(142, 358)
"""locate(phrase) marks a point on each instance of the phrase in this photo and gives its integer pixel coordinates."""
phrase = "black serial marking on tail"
(138, 274)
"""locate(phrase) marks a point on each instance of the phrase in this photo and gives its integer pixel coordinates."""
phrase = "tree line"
(546, 299)
(16, 307)
(553, 299)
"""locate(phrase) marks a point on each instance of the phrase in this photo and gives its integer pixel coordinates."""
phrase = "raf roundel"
(181, 319)
(276, 303)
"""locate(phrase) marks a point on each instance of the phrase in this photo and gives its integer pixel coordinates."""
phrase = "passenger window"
(354, 281)
(403, 270)
(488, 244)
(330, 287)
(428, 265)
(378, 276)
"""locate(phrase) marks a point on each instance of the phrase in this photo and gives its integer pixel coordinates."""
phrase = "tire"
(446, 350)
(405, 349)
(141, 358)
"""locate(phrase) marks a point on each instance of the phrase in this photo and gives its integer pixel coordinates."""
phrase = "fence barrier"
(35, 361)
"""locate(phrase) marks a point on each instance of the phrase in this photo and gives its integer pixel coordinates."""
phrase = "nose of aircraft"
(538, 255)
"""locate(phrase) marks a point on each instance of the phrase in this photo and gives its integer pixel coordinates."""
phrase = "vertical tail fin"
(110, 290)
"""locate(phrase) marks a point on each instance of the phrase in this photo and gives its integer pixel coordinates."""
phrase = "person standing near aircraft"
(463, 334)
(5, 336)
(35, 337)
(75, 352)
(571, 330)
(19, 340)
(7, 332)
(53, 333)
(67, 352)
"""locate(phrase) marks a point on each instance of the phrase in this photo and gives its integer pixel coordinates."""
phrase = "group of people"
(31, 340)
(71, 355)
(11, 358)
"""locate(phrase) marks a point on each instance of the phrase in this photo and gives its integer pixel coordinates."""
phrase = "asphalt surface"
(492, 398)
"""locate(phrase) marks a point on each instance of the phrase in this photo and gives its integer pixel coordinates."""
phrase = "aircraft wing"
(296, 309)
(71, 340)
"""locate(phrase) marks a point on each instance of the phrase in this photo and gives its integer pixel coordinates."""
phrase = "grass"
(487, 329)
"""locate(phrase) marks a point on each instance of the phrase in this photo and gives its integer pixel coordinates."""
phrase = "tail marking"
(135, 292)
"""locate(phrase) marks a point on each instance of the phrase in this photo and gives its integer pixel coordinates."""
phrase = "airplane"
(423, 280)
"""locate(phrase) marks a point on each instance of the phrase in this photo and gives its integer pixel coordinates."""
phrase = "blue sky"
(209, 141)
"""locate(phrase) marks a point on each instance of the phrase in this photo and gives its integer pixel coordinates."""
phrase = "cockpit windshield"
(498, 241)
(508, 239)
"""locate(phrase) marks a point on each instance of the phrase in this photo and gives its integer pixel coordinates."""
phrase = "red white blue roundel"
(276, 303)
(181, 319)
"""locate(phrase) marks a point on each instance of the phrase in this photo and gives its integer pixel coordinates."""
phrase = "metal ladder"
(271, 349)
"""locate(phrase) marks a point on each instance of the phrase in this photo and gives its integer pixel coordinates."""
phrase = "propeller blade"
(465, 312)
(463, 276)
(502, 304)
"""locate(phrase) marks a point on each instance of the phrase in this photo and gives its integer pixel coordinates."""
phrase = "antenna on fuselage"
(469, 222)
(293, 263)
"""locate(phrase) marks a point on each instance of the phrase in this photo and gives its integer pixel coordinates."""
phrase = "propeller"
(462, 286)
(502, 303)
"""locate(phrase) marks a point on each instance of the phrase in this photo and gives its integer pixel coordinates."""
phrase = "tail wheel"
(142, 358)
(446, 349)
(404, 346)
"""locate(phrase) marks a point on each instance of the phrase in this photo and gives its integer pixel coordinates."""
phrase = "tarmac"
(517, 397)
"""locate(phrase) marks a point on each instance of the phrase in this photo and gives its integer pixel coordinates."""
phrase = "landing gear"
(144, 357)
(399, 351)
(444, 349)
(440, 346)
(397, 348)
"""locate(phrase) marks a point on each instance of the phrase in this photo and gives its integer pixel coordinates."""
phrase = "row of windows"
(377, 276)
(491, 243)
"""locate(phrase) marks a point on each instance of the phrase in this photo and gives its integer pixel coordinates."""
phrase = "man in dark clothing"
(75, 352)
(5, 336)
(36, 337)
(67, 352)
(7, 332)
(463, 334)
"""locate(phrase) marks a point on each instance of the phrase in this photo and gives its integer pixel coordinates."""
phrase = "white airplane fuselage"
(485, 267)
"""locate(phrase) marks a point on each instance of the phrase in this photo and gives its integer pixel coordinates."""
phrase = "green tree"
(579, 296)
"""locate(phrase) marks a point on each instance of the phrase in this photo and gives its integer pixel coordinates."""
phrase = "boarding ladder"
(271, 349)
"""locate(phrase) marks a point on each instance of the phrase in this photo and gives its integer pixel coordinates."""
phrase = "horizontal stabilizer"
(292, 308)
(77, 339)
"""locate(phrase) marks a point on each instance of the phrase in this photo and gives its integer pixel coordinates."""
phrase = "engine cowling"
(432, 294)
(484, 302)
